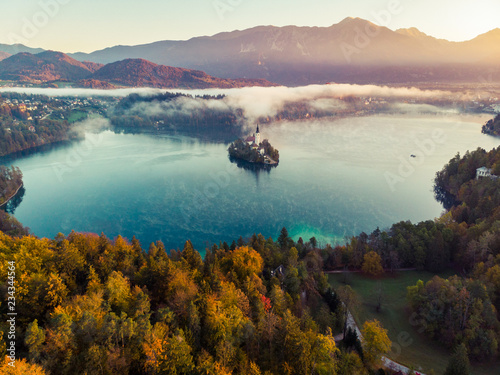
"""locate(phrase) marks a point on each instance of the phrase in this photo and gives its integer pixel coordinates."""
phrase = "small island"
(492, 127)
(253, 150)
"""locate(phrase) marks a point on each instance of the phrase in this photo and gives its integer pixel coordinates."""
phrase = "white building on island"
(483, 172)
(254, 139)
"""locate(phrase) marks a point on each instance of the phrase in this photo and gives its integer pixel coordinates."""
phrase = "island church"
(254, 141)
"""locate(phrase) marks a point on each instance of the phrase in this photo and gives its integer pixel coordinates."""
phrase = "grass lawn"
(411, 347)
(77, 116)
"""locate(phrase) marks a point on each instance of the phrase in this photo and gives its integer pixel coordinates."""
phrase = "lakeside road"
(12, 196)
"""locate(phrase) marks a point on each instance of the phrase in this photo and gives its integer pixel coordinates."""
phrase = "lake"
(335, 179)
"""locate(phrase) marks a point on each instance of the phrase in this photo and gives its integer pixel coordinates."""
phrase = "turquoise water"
(335, 179)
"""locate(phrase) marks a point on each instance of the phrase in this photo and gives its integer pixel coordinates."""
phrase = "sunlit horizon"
(77, 26)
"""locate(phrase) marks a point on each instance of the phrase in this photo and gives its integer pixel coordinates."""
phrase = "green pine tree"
(459, 362)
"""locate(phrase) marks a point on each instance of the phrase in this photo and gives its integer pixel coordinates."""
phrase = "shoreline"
(273, 162)
(34, 149)
(13, 195)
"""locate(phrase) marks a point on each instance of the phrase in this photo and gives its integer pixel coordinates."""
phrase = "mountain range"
(50, 66)
(353, 50)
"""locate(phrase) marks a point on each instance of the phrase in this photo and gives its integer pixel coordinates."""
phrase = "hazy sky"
(88, 25)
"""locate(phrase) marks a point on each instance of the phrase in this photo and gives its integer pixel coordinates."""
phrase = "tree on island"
(254, 151)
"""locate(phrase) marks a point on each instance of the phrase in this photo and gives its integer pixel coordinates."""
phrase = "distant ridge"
(49, 66)
(13, 49)
(295, 55)
(352, 51)
(43, 67)
(143, 73)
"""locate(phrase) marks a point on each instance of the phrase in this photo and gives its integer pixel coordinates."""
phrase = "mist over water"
(335, 179)
(256, 102)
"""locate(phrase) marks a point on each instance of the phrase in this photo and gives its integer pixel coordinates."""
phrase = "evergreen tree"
(459, 362)
(283, 239)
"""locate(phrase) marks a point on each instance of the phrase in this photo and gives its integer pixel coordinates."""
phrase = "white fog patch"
(92, 125)
(419, 109)
(268, 101)
(181, 105)
(324, 104)
(256, 102)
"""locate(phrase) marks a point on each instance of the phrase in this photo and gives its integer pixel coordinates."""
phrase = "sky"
(89, 25)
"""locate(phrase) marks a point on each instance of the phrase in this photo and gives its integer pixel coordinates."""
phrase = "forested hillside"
(21, 128)
(178, 113)
(86, 304)
(464, 308)
(11, 179)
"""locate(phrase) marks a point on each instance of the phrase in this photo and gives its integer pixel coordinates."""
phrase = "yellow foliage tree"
(21, 368)
(118, 292)
(375, 341)
(372, 264)
(324, 354)
(244, 262)
(181, 291)
(167, 352)
(206, 365)
(56, 291)
(350, 363)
